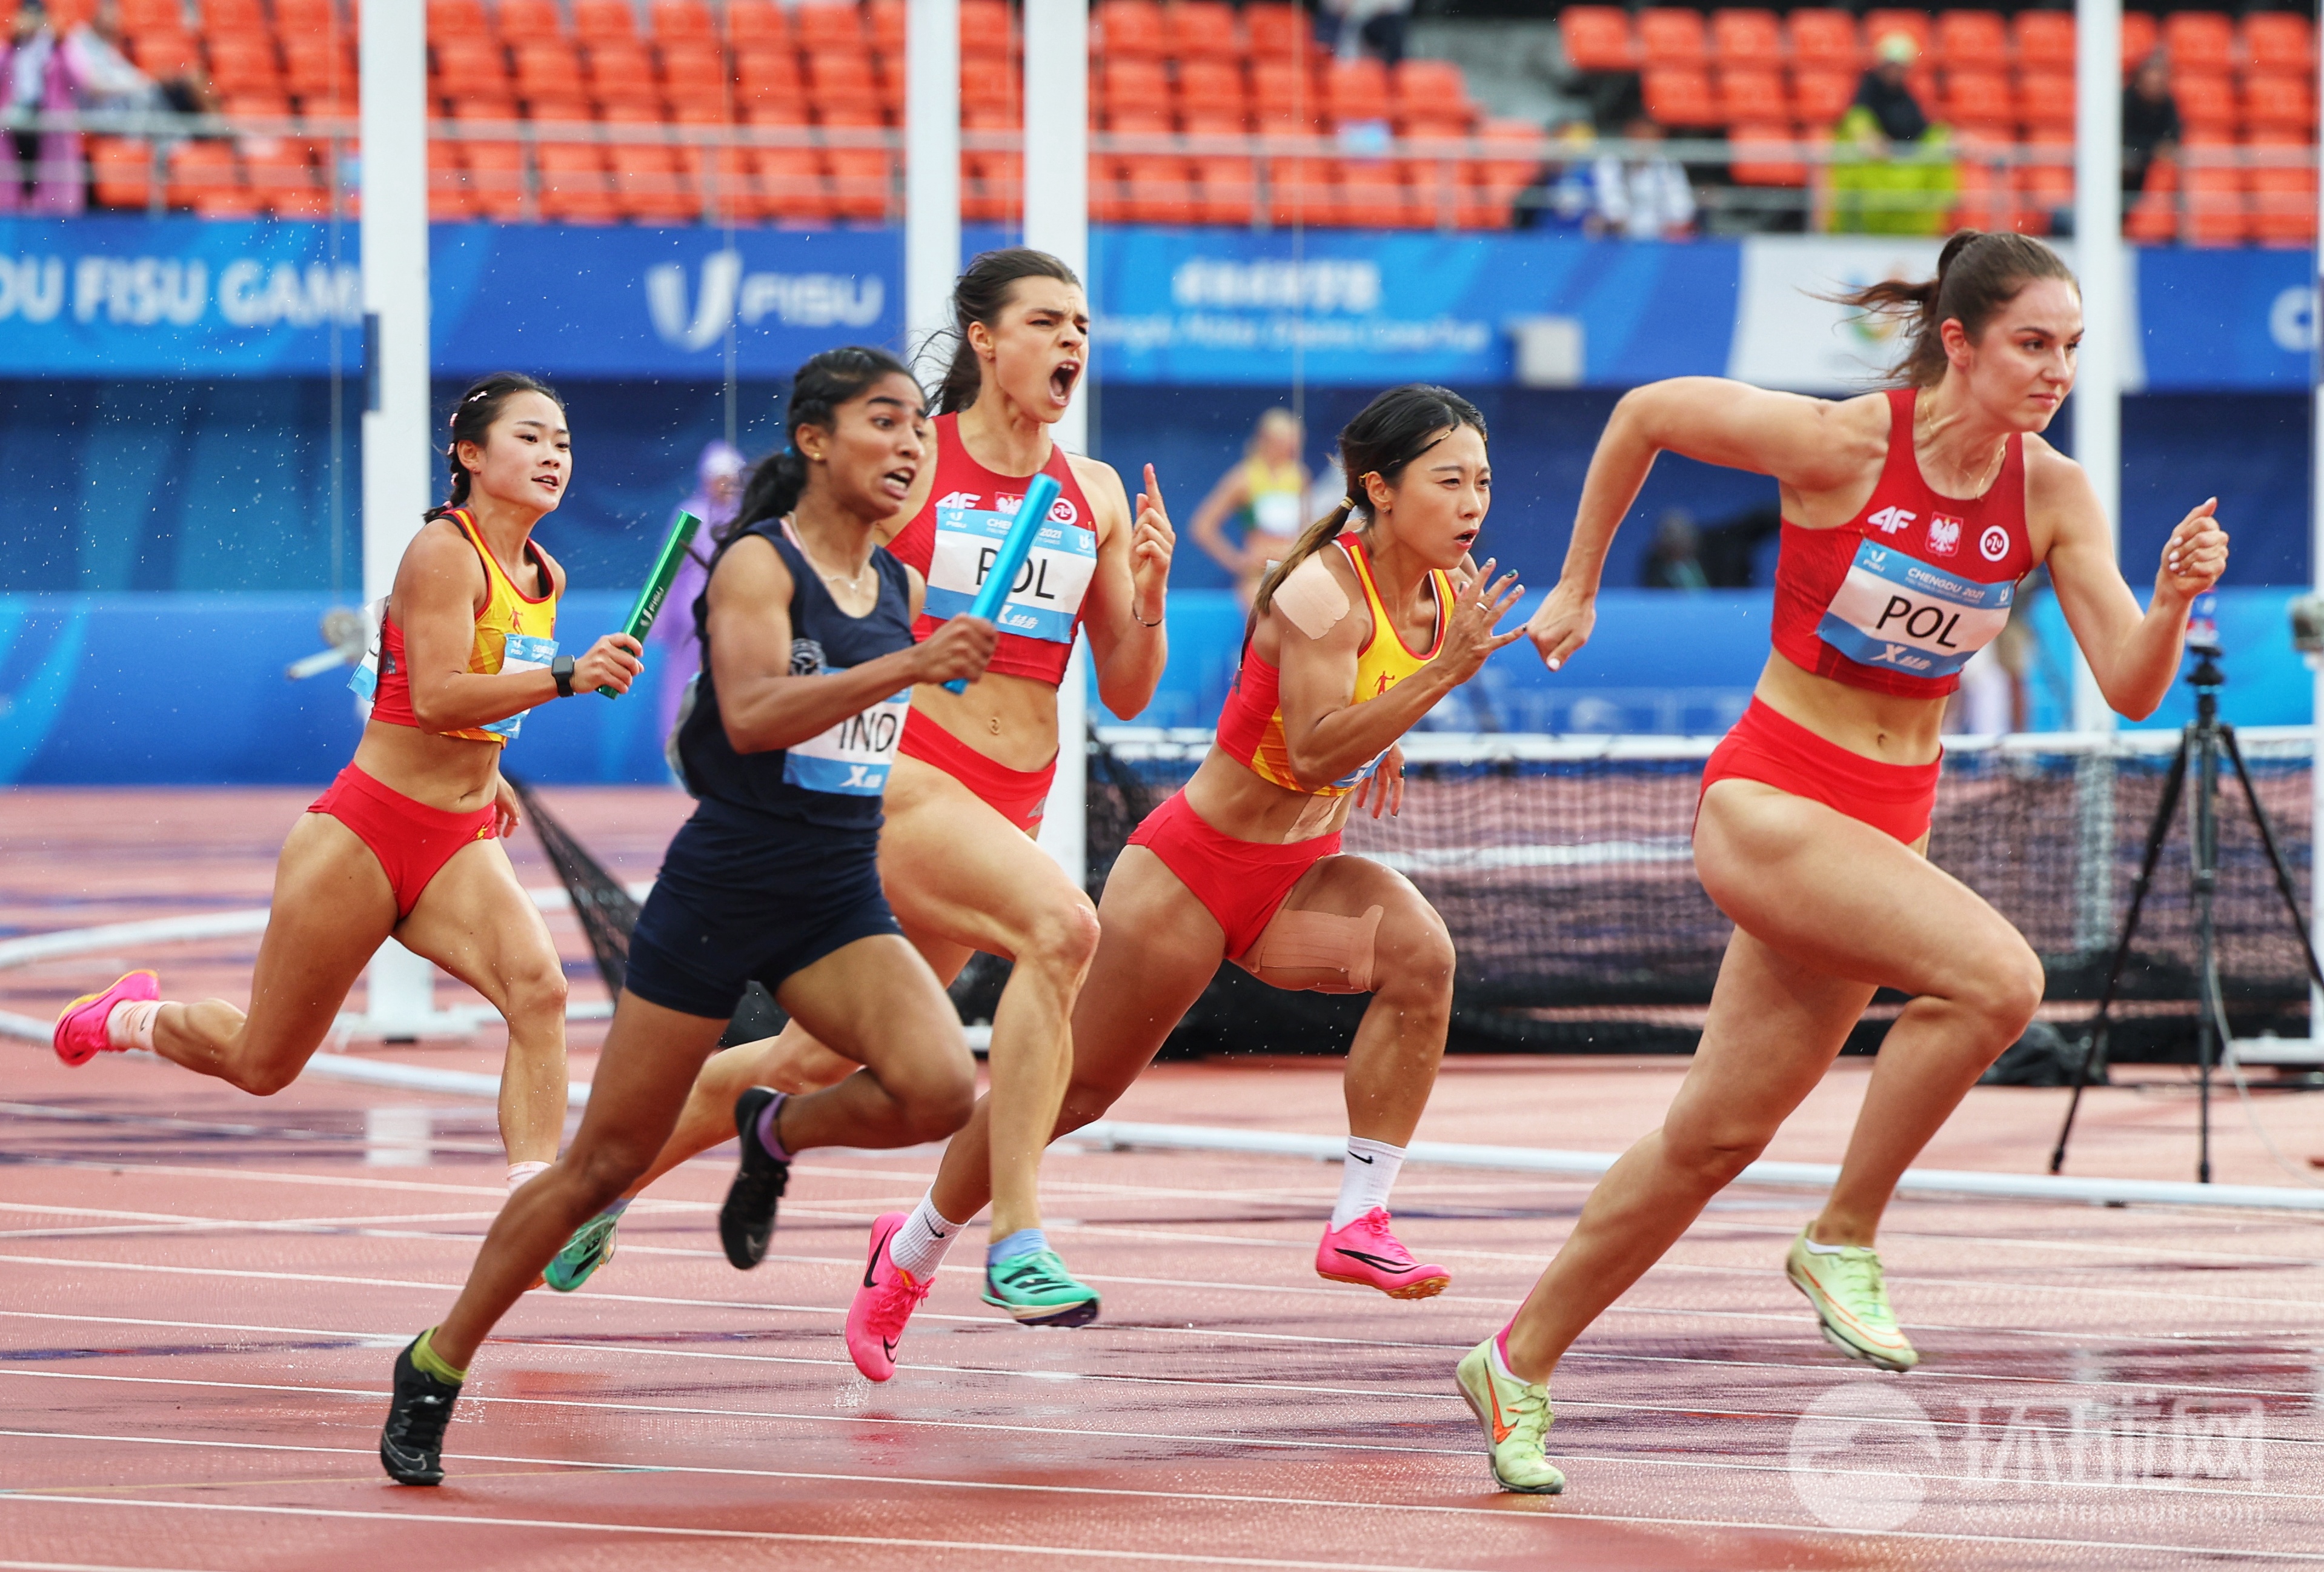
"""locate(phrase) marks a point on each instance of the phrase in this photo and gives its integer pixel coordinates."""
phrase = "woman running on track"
(958, 858)
(1353, 639)
(1909, 517)
(809, 655)
(405, 843)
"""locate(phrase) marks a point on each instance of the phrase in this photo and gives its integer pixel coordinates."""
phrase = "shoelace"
(422, 1421)
(1373, 1225)
(1865, 1268)
(898, 1298)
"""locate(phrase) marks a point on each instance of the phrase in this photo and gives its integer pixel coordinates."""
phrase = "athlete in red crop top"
(1908, 515)
(404, 842)
(956, 859)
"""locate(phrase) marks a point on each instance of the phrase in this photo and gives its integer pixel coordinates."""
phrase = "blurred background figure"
(1351, 27)
(107, 80)
(1886, 95)
(1641, 194)
(1675, 561)
(674, 649)
(2150, 122)
(1894, 173)
(1267, 492)
(1994, 696)
(43, 175)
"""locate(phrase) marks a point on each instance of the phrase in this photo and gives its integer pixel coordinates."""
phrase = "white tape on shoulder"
(1311, 599)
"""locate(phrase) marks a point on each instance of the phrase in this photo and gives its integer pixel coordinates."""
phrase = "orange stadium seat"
(2278, 103)
(648, 186)
(234, 16)
(2217, 212)
(757, 25)
(313, 68)
(885, 19)
(1752, 94)
(990, 84)
(121, 170)
(2199, 40)
(2279, 41)
(2206, 102)
(1972, 40)
(2153, 217)
(821, 27)
(1303, 191)
(1598, 38)
(695, 68)
(517, 20)
(2045, 99)
(473, 64)
(789, 183)
(604, 21)
(547, 68)
(1228, 191)
(843, 80)
(984, 28)
(2045, 41)
(1356, 89)
(242, 62)
(1913, 24)
(1747, 37)
(202, 174)
(1127, 28)
(456, 19)
(1761, 160)
(1820, 98)
(1160, 189)
(1285, 96)
(1213, 123)
(574, 186)
(282, 176)
(1134, 84)
(1209, 87)
(1669, 36)
(1826, 40)
(622, 73)
(1977, 97)
(681, 22)
(1375, 195)
(165, 52)
(1204, 29)
(1432, 89)
(139, 16)
(1680, 97)
(496, 185)
(1278, 31)
(768, 74)
(449, 198)
(2282, 207)
(862, 182)
(2140, 36)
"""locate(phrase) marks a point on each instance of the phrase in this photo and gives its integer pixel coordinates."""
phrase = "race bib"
(521, 652)
(363, 681)
(1896, 612)
(1046, 597)
(854, 757)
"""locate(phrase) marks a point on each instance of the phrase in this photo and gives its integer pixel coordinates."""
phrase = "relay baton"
(656, 590)
(1040, 496)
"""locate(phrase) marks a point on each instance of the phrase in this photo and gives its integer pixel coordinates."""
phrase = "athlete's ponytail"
(1390, 432)
(819, 388)
(1977, 273)
(472, 421)
(982, 295)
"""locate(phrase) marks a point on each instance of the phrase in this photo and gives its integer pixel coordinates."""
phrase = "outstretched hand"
(1479, 607)
(1151, 544)
(1564, 623)
(2196, 555)
(1384, 785)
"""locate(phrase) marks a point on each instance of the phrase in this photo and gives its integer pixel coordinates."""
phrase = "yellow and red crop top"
(1251, 726)
(514, 633)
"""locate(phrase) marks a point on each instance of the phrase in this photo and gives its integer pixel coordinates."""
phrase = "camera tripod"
(2205, 739)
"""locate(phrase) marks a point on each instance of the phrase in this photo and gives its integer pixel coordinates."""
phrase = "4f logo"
(957, 499)
(1944, 535)
(1889, 521)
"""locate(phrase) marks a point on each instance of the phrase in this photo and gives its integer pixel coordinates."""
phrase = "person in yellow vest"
(1268, 490)
(405, 844)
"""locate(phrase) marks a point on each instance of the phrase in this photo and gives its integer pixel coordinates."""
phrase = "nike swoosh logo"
(1382, 1261)
(939, 1233)
(1358, 1157)
(889, 1344)
(878, 1248)
(1503, 1429)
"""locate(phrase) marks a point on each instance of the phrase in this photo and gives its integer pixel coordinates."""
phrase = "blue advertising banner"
(127, 297)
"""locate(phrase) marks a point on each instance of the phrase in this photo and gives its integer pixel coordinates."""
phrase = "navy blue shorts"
(746, 896)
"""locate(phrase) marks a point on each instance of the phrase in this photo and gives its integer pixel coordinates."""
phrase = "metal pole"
(2316, 573)
(1057, 220)
(396, 457)
(931, 168)
(2098, 248)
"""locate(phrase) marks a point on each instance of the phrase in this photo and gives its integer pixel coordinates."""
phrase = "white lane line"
(2181, 1549)
(2144, 1487)
(82, 1567)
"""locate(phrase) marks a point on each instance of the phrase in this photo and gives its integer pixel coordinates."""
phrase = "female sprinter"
(958, 858)
(405, 843)
(1353, 639)
(807, 632)
(1268, 488)
(1909, 516)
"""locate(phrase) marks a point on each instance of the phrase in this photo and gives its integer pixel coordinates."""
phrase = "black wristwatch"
(561, 668)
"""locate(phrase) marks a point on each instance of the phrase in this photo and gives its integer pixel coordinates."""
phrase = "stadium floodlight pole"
(396, 450)
(931, 168)
(2099, 250)
(1057, 220)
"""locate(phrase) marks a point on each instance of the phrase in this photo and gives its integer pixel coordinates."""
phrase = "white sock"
(1810, 1241)
(519, 1171)
(1493, 1357)
(918, 1247)
(130, 1023)
(1366, 1179)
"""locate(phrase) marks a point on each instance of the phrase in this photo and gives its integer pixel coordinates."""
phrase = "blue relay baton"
(1040, 496)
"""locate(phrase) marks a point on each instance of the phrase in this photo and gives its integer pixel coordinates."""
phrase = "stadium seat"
(313, 68)
(547, 68)
(1598, 38)
(757, 25)
(829, 27)
(1747, 37)
(449, 198)
(765, 74)
(850, 116)
(1972, 40)
(2153, 217)
(2199, 40)
(681, 22)
(2279, 41)
(2045, 41)
(1213, 121)
(282, 176)
(998, 187)
(843, 80)
(1760, 160)
(1752, 94)
(622, 72)
(1669, 37)
(1374, 195)
(1977, 97)
(1820, 98)
(1432, 90)
(695, 68)
(202, 174)
(2217, 210)
(2278, 103)
(496, 182)
(1285, 98)
(2206, 102)
(648, 186)
(121, 169)
(165, 52)
(1681, 98)
(1127, 30)
(1136, 83)
(2282, 204)
(574, 186)
(604, 21)
(990, 84)
(1210, 87)
(141, 15)
(789, 182)
(1356, 89)
(473, 64)
(885, 18)
(244, 63)
(1913, 24)
(456, 19)
(2140, 36)
(1278, 31)
(1227, 190)
(862, 182)
(1981, 183)
(2046, 187)
(256, 105)
(517, 20)
(984, 28)
(1204, 29)
(2046, 100)
(1498, 180)
(1826, 40)
(1303, 191)
(234, 16)
(1160, 189)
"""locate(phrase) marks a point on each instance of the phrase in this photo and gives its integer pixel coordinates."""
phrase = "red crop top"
(956, 534)
(1898, 598)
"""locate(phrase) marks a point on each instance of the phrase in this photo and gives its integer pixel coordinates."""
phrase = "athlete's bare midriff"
(1888, 727)
(1012, 720)
(1235, 800)
(455, 774)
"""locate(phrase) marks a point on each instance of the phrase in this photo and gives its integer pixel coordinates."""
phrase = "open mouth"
(551, 482)
(897, 482)
(1465, 539)
(1062, 380)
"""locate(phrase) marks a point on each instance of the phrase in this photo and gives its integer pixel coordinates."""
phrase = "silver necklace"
(1984, 477)
(852, 580)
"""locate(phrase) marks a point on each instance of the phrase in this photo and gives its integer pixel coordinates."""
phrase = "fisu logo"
(1944, 535)
(727, 295)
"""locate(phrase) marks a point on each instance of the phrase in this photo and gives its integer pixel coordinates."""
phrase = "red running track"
(200, 1295)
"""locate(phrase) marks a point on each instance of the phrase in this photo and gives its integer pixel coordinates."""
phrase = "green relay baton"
(665, 572)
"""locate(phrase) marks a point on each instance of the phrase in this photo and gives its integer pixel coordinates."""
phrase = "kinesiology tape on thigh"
(1310, 599)
(1321, 942)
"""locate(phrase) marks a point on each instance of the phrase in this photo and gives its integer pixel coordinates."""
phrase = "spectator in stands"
(1640, 194)
(1675, 561)
(1344, 26)
(2150, 122)
(717, 494)
(1893, 172)
(108, 81)
(1895, 115)
(43, 173)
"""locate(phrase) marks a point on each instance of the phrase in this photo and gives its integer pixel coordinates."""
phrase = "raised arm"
(1129, 589)
(763, 706)
(1808, 445)
(2132, 656)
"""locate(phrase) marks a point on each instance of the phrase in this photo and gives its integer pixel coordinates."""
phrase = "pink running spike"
(81, 1034)
(1366, 1253)
(884, 1303)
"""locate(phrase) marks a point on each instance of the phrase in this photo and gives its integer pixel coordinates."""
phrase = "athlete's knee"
(535, 990)
(2004, 991)
(1713, 1151)
(1085, 1102)
(1063, 938)
(607, 1171)
(265, 1078)
(1416, 960)
(936, 1100)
